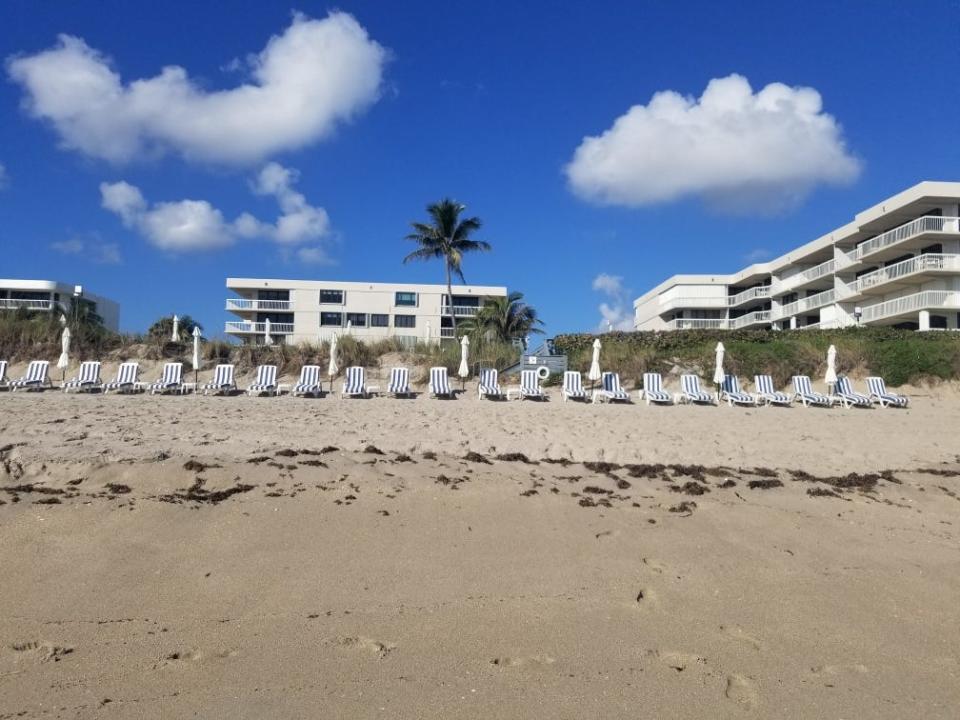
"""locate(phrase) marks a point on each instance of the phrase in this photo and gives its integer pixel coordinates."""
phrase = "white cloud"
(313, 256)
(615, 314)
(187, 225)
(739, 150)
(92, 248)
(316, 74)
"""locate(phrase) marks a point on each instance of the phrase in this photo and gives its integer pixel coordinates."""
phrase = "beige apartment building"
(897, 263)
(312, 310)
(54, 296)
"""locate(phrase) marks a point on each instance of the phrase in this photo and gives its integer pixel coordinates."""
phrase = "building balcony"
(695, 303)
(908, 305)
(894, 242)
(807, 277)
(697, 324)
(760, 317)
(254, 328)
(447, 333)
(914, 269)
(460, 310)
(827, 297)
(14, 304)
(761, 292)
(245, 305)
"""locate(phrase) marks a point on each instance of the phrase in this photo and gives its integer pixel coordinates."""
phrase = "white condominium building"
(53, 296)
(897, 263)
(312, 310)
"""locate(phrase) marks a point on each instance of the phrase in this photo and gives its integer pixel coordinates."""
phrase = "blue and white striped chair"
(36, 377)
(489, 385)
(573, 386)
(266, 381)
(653, 389)
(731, 391)
(309, 382)
(530, 386)
(439, 383)
(879, 394)
(354, 384)
(610, 389)
(170, 381)
(87, 380)
(222, 381)
(848, 396)
(126, 380)
(3, 374)
(803, 392)
(692, 392)
(399, 385)
(768, 393)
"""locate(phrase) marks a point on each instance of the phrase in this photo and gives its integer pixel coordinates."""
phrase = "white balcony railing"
(827, 297)
(755, 293)
(809, 275)
(697, 324)
(261, 328)
(926, 300)
(13, 304)
(463, 310)
(897, 271)
(699, 303)
(925, 224)
(754, 318)
(447, 332)
(241, 304)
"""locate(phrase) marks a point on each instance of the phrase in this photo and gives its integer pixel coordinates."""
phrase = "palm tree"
(446, 237)
(505, 319)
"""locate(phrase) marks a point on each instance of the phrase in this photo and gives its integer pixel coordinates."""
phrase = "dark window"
(405, 321)
(331, 297)
(464, 300)
(331, 319)
(357, 319)
(273, 295)
(379, 320)
(405, 299)
(275, 317)
(446, 321)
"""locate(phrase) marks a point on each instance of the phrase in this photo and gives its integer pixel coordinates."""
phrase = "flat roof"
(267, 283)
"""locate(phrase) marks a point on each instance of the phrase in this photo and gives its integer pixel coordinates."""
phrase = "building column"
(793, 323)
(924, 320)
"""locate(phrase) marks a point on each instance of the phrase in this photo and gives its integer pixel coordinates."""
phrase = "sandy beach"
(282, 557)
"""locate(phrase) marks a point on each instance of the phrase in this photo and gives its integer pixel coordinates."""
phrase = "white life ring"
(543, 372)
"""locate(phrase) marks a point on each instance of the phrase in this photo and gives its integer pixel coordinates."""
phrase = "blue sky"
(357, 120)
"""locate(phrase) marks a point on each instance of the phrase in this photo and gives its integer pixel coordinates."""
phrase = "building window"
(273, 295)
(377, 320)
(405, 299)
(404, 321)
(331, 319)
(357, 319)
(331, 297)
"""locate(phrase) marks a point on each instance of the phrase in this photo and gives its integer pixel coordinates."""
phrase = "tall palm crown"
(505, 319)
(446, 237)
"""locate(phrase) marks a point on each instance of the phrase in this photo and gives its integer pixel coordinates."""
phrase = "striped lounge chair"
(36, 377)
(126, 380)
(439, 383)
(354, 384)
(692, 392)
(222, 381)
(265, 383)
(170, 381)
(530, 386)
(767, 393)
(489, 385)
(399, 384)
(806, 395)
(848, 396)
(573, 386)
(653, 389)
(3, 374)
(611, 390)
(309, 382)
(879, 394)
(87, 380)
(731, 391)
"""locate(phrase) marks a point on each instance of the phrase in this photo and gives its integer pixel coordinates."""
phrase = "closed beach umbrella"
(594, 373)
(332, 367)
(428, 331)
(196, 353)
(831, 377)
(464, 369)
(718, 367)
(175, 335)
(64, 353)
(267, 340)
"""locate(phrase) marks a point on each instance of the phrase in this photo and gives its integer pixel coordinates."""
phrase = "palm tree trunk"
(453, 318)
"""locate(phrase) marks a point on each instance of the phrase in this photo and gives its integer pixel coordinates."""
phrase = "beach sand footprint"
(41, 651)
(678, 661)
(540, 660)
(743, 691)
(375, 647)
(735, 632)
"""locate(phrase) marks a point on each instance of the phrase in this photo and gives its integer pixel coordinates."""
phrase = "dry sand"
(259, 558)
